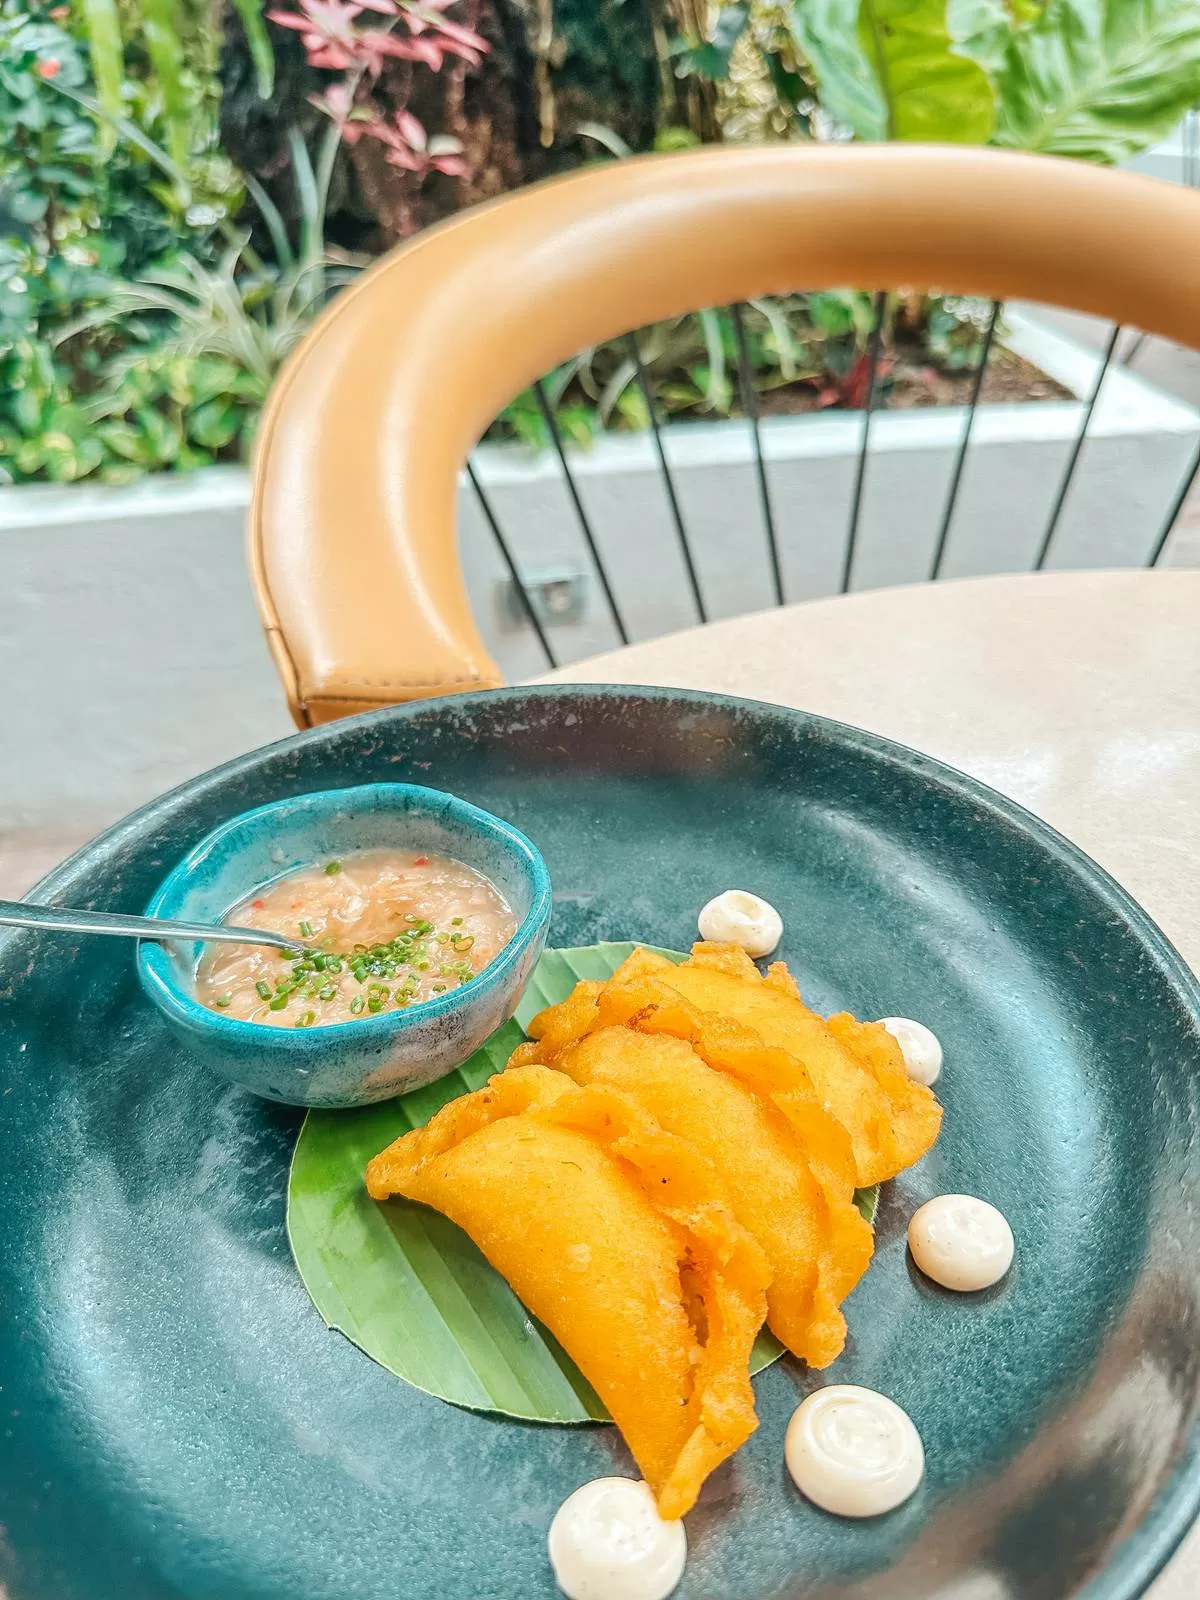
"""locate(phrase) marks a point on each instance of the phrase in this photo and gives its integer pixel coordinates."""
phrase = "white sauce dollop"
(739, 917)
(920, 1047)
(854, 1452)
(608, 1542)
(960, 1242)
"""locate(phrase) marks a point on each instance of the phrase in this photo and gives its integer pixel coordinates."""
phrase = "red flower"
(48, 68)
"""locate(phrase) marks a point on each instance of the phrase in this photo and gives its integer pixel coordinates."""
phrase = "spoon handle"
(21, 913)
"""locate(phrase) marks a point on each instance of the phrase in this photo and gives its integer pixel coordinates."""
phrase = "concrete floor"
(1168, 366)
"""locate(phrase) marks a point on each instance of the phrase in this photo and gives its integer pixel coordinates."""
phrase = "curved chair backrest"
(352, 529)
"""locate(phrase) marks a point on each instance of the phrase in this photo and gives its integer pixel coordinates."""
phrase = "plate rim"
(1149, 1545)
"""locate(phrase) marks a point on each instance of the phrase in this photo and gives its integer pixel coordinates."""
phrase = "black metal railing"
(875, 400)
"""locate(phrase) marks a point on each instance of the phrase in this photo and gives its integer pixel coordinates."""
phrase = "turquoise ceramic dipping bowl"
(371, 1058)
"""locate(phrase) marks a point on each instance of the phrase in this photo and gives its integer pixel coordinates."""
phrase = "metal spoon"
(20, 914)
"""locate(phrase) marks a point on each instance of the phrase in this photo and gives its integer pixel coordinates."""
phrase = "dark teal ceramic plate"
(175, 1419)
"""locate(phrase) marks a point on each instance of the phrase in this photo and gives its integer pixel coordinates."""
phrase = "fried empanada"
(817, 1249)
(617, 1236)
(856, 1069)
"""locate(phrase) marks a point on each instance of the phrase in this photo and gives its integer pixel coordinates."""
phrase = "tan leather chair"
(352, 529)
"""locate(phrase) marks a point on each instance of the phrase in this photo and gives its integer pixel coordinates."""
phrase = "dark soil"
(907, 386)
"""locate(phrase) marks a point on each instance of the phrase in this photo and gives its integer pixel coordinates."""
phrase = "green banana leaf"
(889, 69)
(1099, 79)
(405, 1284)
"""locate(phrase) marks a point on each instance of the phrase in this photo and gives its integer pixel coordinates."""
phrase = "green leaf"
(668, 140)
(710, 58)
(631, 407)
(24, 205)
(161, 435)
(1099, 79)
(930, 92)
(259, 42)
(981, 29)
(826, 32)
(273, 218)
(128, 442)
(161, 29)
(214, 424)
(312, 220)
(26, 406)
(406, 1285)
(889, 69)
(606, 137)
(790, 88)
(102, 24)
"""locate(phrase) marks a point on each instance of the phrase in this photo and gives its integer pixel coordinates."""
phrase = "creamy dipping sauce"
(961, 1242)
(854, 1452)
(920, 1047)
(394, 928)
(741, 918)
(608, 1542)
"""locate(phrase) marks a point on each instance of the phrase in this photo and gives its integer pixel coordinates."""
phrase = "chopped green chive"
(390, 971)
(332, 868)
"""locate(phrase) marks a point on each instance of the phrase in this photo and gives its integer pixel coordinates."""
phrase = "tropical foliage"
(1096, 79)
(178, 200)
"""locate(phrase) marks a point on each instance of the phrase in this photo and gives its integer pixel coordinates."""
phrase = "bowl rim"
(158, 972)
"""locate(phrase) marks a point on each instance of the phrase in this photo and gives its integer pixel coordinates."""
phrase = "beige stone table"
(1077, 694)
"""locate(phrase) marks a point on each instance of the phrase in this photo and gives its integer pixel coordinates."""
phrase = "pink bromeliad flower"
(332, 40)
(409, 147)
(327, 29)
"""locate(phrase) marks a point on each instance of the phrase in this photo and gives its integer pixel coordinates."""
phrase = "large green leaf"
(889, 69)
(981, 29)
(1099, 79)
(930, 91)
(826, 32)
(404, 1283)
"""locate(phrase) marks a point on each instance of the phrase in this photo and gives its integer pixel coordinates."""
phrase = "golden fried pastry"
(817, 1249)
(856, 1069)
(616, 1234)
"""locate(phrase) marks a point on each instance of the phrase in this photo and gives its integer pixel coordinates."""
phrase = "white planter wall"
(130, 648)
